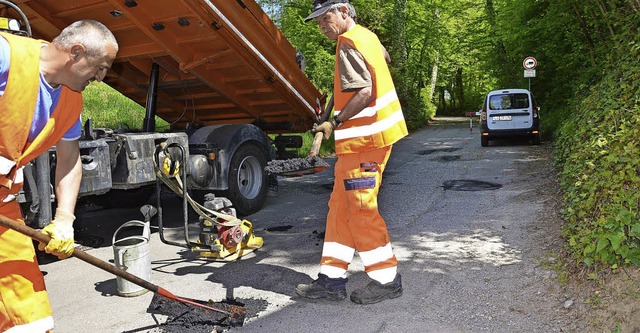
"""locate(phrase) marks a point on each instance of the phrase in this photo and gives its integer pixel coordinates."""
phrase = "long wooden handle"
(327, 111)
(315, 146)
(44, 238)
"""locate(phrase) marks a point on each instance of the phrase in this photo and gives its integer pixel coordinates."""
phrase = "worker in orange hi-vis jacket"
(367, 121)
(40, 103)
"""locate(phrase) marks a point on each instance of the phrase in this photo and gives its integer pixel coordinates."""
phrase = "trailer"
(218, 71)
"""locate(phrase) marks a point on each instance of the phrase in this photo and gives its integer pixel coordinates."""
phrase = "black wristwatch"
(338, 122)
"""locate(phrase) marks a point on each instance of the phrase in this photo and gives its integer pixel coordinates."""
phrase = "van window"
(508, 101)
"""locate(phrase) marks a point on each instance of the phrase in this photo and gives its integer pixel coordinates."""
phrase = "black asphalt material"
(296, 166)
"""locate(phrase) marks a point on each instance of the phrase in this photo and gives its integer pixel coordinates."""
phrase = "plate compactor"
(222, 236)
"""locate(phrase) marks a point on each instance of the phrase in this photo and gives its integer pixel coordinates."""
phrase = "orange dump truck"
(219, 71)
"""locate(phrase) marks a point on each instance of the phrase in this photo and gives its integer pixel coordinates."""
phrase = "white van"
(509, 112)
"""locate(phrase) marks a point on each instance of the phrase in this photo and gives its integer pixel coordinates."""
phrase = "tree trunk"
(459, 88)
(499, 48)
(399, 42)
(585, 30)
(434, 77)
(605, 17)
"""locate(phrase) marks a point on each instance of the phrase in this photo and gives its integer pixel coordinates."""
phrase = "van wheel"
(484, 141)
(535, 140)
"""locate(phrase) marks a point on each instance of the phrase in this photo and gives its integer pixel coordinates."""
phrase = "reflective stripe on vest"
(381, 123)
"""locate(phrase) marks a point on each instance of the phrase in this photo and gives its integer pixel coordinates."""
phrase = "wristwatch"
(338, 122)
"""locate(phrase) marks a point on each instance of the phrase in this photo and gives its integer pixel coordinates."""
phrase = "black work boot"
(375, 291)
(324, 287)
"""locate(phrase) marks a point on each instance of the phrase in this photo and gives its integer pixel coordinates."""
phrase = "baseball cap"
(320, 7)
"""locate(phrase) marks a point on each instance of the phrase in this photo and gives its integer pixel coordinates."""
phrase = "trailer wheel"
(247, 179)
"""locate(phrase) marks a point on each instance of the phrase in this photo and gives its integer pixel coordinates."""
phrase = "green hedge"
(598, 150)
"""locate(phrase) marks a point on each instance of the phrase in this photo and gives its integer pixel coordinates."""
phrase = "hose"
(22, 16)
(176, 185)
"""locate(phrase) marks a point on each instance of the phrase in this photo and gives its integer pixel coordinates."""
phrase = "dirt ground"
(609, 303)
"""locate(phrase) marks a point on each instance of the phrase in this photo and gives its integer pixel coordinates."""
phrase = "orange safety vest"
(381, 123)
(17, 105)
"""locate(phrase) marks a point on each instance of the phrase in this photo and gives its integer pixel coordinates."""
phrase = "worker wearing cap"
(40, 103)
(367, 121)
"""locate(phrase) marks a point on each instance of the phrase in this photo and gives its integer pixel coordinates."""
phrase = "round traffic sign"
(529, 63)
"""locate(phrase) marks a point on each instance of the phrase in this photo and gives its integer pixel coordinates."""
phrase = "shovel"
(235, 314)
(295, 167)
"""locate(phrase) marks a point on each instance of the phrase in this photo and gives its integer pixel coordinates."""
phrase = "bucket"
(132, 254)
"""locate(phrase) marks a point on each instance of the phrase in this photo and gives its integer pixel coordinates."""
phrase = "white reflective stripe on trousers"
(39, 326)
(333, 272)
(375, 256)
(338, 251)
(385, 275)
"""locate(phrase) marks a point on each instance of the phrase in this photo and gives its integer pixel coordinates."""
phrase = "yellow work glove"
(326, 128)
(61, 232)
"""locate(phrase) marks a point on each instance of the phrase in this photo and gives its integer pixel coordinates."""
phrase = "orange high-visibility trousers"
(24, 303)
(353, 221)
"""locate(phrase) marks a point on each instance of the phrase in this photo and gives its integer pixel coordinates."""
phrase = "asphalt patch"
(185, 318)
(470, 185)
(282, 167)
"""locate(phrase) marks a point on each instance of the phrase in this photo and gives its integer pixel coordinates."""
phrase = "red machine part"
(230, 236)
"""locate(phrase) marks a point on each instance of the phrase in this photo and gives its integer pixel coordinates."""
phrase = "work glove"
(326, 128)
(61, 232)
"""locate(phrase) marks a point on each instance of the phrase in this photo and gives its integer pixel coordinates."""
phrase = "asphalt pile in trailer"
(295, 164)
(184, 318)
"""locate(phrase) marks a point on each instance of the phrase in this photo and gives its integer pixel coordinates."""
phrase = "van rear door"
(509, 110)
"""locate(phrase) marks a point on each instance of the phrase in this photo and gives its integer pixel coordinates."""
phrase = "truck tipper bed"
(218, 71)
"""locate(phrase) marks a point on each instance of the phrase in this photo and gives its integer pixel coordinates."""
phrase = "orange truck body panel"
(221, 61)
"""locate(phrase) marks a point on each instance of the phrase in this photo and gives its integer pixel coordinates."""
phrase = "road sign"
(529, 73)
(529, 63)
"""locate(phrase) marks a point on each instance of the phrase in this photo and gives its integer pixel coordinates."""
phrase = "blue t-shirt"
(46, 101)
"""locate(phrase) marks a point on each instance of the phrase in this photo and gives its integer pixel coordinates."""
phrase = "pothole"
(279, 228)
(437, 150)
(470, 185)
(448, 158)
(186, 318)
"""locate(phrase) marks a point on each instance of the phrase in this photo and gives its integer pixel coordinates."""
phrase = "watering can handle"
(146, 232)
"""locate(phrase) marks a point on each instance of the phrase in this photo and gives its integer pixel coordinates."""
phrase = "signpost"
(529, 64)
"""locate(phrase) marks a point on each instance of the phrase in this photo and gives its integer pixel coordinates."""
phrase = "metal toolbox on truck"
(96, 171)
(132, 157)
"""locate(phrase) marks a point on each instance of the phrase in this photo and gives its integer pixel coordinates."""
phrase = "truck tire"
(248, 182)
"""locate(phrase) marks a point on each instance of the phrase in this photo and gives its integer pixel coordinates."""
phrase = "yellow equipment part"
(167, 165)
(249, 243)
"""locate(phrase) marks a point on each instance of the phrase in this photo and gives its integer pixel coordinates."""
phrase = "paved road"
(465, 225)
